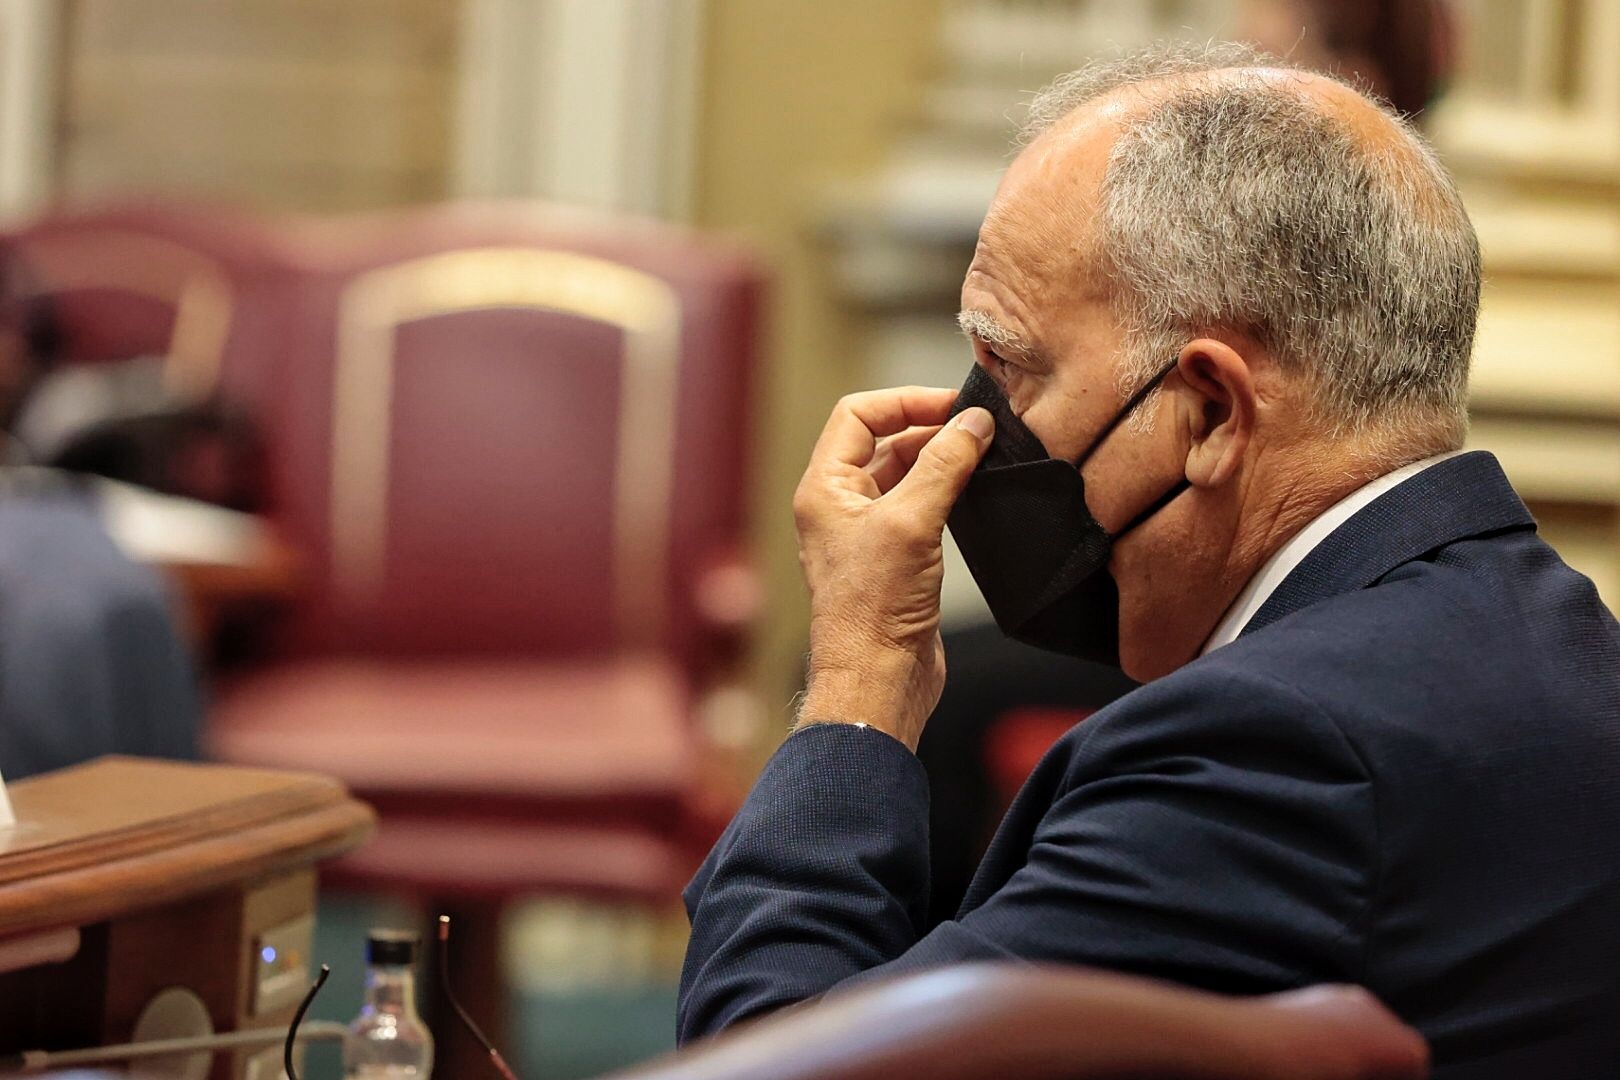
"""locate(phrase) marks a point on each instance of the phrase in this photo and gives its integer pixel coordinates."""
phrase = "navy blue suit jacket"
(1404, 774)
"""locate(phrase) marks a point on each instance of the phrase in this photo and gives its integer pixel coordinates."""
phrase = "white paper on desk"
(6, 816)
(155, 528)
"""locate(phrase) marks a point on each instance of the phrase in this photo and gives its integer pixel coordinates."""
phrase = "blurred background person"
(91, 662)
(1403, 52)
(28, 346)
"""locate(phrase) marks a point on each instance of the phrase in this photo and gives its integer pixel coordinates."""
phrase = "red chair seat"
(1017, 741)
(492, 778)
(491, 731)
(439, 857)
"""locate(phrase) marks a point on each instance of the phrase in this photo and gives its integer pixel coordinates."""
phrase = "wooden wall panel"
(296, 104)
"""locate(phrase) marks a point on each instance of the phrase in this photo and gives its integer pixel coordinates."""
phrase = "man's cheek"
(1038, 413)
(1132, 567)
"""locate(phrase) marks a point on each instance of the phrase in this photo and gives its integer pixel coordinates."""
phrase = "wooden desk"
(125, 877)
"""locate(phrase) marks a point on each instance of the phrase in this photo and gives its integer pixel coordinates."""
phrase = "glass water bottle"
(388, 1040)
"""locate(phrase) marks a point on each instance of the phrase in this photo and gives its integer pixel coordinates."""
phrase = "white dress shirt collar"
(1291, 554)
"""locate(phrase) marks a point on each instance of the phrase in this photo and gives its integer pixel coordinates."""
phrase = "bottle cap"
(391, 947)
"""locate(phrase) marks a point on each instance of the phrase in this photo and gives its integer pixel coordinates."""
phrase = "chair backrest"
(504, 431)
(987, 1022)
(153, 279)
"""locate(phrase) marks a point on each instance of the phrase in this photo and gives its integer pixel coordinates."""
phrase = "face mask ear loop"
(1125, 410)
(1152, 508)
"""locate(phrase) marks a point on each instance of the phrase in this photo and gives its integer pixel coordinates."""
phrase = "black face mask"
(1039, 555)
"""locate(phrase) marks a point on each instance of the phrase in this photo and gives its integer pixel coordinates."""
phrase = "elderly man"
(1222, 315)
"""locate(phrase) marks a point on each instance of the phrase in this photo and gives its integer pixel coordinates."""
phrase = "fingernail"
(977, 422)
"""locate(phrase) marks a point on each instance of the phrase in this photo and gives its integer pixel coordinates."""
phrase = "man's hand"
(871, 510)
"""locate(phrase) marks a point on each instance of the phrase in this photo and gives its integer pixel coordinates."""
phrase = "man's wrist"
(874, 696)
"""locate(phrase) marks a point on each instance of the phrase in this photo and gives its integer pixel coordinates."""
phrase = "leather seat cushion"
(532, 734)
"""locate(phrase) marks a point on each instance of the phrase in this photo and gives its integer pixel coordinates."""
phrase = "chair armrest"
(727, 592)
(976, 1022)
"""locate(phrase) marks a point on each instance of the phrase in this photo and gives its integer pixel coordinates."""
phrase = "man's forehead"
(1043, 213)
(1039, 233)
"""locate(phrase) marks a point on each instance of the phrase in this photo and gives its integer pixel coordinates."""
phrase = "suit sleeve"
(1216, 830)
(823, 874)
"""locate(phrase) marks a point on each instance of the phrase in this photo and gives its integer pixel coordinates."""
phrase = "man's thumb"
(946, 462)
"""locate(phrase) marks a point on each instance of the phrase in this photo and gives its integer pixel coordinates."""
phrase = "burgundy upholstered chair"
(1018, 739)
(512, 448)
(990, 1022)
(193, 284)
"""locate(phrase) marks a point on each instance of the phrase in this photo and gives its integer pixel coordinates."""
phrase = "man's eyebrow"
(987, 328)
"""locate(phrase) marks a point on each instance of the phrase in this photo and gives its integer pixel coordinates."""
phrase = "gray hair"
(1239, 203)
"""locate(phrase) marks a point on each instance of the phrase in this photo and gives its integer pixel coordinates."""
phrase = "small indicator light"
(268, 954)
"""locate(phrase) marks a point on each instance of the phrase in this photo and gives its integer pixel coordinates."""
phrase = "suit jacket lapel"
(1464, 496)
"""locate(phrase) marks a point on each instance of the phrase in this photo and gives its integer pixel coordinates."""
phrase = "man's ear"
(1221, 419)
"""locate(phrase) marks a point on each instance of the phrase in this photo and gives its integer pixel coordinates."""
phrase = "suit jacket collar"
(1465, 496)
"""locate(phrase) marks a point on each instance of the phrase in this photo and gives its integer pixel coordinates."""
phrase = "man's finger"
(896, 454)
(944, 465)
(859, 420)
